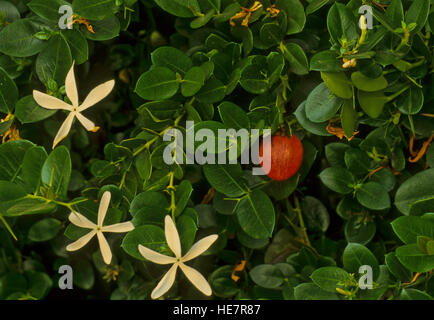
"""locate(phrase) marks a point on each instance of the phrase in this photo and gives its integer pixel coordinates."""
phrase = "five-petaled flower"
(172, 238)
(49, 102)
(97, 229)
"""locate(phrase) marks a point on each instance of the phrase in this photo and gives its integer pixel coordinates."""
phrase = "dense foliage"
(358, 92)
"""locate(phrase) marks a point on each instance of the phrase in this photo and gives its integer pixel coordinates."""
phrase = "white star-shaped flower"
(97, 229)
(172, 238)
(49, 102)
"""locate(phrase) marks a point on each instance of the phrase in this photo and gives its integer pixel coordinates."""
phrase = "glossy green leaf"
(255, 214)
(56, 171)
(157, 84)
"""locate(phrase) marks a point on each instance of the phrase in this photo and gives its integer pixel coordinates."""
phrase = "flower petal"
(118, 227)
(87, 124)
(71, 86)
(80, 243)
(103, 207)
(49, 102)
(166, 283)
(104, 247)
(155, 256)
(199, 247)
(172, 236)
(97, 94)
(196, 279)
(81, 221)
(64, 129)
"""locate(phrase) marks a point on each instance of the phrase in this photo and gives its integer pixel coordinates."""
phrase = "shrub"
(85, 179)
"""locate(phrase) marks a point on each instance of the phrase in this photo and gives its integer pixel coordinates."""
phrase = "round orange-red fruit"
(286, 157)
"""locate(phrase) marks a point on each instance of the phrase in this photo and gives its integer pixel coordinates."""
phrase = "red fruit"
(286, 157)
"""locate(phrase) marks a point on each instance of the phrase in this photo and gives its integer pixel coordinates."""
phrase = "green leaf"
(430, 155)
(44, 230)
(373, 196)
(10, 11)
(180, 8)
(213, 91)
(414, 259)
(372, 103)
(296, 58)
(411, 102)
(187, 231)
(414, 294)
(32, 164)
(11, 156)
(316, 214)
(417, 190)
(17, 39)
(348, 118)
(56, 171)
(28, 111)
(341, 23)
(203, 20)
(172, 58)
(337, 179)
(418, 13)
(221, 282)
(328, 278)
(315, 128)
(15, 202)
(267, 276)
(255, 214)
(226, 179)
(281, 190)
(321, 104)
(77, 44)
(54, 62)
(364, 83)
(12, 282)
(94, 10)
(105, 29)
(409, 228)
(422, 242)
(8, 92)
(356, 255)
(84, 276)
(335, 154)
(276, 65)
(249, 242)
(396, 268)
(338, 83)
(149, 236)
(271, 34)
(47, 9)
(5, 126)
(310, 291)
(182, 195)
(359, 231)
(325, 61)
(253, 80)
(315, 5)
(149, 207)
(194, 80)
(295, 15)
(386, 178)
(395, 13)
(39, 284)
(157, 84)
(233, 117)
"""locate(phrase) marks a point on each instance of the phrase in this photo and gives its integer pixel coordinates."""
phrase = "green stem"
(396, 94)
(410, 120)
(300, 218)
(8, 227)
